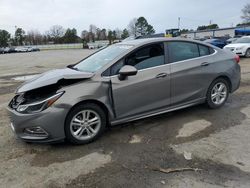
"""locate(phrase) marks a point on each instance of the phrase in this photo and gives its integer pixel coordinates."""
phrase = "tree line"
(59, 35)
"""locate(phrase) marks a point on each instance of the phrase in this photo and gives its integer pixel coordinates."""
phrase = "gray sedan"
(121, 83)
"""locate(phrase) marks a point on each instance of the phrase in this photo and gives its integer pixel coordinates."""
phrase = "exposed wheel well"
(228, 81)
(100, 104)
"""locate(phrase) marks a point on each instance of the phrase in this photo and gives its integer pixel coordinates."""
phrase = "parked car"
(231, 40)
(23, 49)
(9, 50)
(240, 47)
(35, 49)
(216, 42)
(121, 83)
(1, 50)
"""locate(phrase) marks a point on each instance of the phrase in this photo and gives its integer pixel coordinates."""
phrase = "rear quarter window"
(204, 50)
(211, 50)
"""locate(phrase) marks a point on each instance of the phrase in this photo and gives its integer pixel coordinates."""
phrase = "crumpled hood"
(52, 77)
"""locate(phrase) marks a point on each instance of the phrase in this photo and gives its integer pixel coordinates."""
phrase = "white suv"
(240, 47)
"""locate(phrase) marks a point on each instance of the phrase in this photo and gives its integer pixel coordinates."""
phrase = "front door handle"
(204, 64)
(161, 75)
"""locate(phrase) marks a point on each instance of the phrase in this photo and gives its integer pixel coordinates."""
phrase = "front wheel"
(247, 53)
(217, 93)
(85, 123)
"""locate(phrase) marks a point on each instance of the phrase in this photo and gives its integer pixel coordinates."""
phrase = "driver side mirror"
(127, 70)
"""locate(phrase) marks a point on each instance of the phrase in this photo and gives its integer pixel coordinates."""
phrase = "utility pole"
(179, 22)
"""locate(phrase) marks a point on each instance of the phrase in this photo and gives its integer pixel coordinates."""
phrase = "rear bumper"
(236, 78)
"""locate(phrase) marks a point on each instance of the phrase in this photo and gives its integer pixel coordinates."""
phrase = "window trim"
(166, 55)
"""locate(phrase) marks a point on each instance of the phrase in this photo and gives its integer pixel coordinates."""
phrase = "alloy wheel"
(85, 125)
(219, 93)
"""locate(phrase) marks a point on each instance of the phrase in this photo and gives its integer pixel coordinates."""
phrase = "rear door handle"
(161, 75)
(204, 64)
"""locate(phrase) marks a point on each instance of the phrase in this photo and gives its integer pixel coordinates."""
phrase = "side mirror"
(127, 70)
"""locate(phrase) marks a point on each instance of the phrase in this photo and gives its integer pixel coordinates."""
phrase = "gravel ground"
(215, 141)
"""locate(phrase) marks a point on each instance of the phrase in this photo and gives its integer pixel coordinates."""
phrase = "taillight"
(237, 58)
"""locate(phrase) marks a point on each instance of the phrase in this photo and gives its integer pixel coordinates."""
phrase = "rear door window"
(179, 51)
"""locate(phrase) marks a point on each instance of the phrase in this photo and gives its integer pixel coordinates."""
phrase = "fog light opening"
(35, 131)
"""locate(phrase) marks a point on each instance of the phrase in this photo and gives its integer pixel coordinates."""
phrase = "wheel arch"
(225, 77)
(93, 101)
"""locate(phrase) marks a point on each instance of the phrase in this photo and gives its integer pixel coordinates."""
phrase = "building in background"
(223, 32)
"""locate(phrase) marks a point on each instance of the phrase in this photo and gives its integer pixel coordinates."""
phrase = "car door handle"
(204, 64)
(161, 75)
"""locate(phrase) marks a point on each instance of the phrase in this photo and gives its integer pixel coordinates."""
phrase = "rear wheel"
(217, 93)
(247, 53)
(85, 123)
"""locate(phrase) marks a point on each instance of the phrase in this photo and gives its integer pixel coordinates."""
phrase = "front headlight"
(39, 106)
(239, 48)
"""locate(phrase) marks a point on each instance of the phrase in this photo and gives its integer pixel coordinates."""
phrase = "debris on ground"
(163, 182)
(171, 170)
(135, 139)
(187, 155)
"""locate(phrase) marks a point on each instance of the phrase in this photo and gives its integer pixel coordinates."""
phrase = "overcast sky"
(111, 14)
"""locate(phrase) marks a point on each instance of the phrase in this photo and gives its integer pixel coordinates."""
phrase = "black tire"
(88, 106)
(247, 53)
(211, 104)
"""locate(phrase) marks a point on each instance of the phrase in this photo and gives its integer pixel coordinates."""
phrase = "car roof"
(139, 42)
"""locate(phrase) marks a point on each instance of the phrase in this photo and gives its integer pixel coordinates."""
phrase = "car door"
(191, 71)
(149, 89)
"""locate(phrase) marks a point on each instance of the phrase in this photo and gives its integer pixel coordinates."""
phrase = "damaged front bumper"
(45, 126)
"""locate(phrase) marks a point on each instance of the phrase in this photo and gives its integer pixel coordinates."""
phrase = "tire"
(247, 53)
(215, 97)
(85, 123)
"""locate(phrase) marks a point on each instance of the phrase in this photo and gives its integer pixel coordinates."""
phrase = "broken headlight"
(40, 105)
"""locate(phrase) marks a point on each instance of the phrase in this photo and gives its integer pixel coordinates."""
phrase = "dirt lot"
(218, 141)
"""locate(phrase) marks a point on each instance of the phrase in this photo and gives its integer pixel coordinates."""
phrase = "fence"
(58, 46)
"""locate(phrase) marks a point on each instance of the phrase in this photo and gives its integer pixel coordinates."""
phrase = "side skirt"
(145, 115)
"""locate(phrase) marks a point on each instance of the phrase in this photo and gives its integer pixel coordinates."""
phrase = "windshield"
(101, 58)
(243, 40)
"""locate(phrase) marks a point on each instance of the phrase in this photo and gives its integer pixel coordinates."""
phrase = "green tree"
(143, 27)
(125, 34)
(4, 38)
(184, 31)
(243, 24)
(114, 35)
(19, 36)
(70, 36)
(110, 37)
(205, 27)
